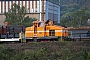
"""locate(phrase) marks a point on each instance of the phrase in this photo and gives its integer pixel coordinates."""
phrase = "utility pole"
(40, 6)
(42, 9)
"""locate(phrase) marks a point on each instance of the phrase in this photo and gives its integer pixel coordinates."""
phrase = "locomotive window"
(88, 34)
(51, 32)
(41, 24)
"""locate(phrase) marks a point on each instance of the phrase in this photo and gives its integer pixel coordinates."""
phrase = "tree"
(15, 15)
(80, 17)
(28, 21)
(65, 19)
(76, 19)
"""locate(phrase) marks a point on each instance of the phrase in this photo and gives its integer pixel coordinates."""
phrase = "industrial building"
(50, 9)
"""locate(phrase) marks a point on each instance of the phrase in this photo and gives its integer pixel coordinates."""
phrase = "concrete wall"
(2, 18)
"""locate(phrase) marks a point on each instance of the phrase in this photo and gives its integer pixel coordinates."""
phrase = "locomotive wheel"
(35, 39)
